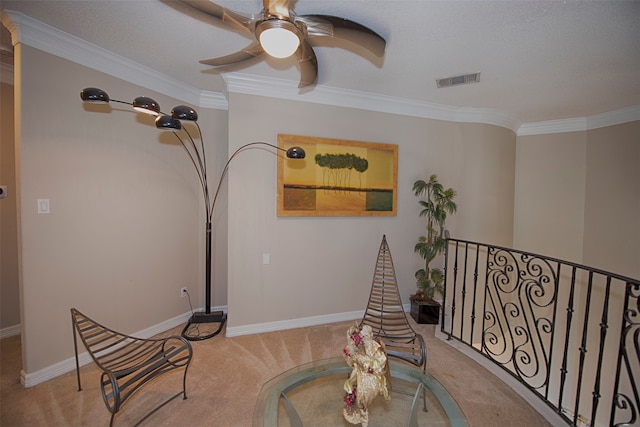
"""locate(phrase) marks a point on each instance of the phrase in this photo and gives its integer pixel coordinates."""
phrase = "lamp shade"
(164, 121)
(296, 153)
(183, 112)
(95, 95)
(279, 38)
(146, 105)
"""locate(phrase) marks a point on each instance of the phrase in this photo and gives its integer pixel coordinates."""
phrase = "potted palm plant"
(436, 203)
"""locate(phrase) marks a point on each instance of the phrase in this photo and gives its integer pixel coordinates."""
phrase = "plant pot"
(425, 312)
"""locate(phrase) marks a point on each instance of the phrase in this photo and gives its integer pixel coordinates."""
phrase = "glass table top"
(312, 395)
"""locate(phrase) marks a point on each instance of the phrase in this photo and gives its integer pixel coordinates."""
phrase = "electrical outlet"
(183, 292)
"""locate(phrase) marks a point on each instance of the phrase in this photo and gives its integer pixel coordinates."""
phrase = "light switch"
(43, 206)
(266, 259)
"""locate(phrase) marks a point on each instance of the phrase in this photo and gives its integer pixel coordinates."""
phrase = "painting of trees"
(338, 168)
(337, 178)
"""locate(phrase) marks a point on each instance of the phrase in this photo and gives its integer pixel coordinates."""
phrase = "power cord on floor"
(192, 330)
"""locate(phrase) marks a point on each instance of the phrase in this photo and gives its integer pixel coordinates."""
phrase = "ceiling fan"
(280, 33)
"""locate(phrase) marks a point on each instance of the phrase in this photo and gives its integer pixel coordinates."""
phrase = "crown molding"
(611, 118)
(553, 126)
(286, 89)
(215, 100)
(582, 124)
(39, 35)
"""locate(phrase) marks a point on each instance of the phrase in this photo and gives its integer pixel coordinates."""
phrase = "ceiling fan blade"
(251, 51)
(333, 26)
(238, 20)
(278, 8)
(307, 63)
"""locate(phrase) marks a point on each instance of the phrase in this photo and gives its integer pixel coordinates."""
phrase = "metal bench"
(128, 363)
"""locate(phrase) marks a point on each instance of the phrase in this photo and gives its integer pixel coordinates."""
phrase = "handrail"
(560, 328)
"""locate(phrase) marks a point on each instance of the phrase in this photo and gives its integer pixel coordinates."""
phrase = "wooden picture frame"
(337, 178)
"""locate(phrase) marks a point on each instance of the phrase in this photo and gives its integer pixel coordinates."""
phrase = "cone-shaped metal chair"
(385, 314)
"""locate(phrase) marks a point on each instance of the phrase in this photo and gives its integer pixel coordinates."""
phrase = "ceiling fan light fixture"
(279, 38)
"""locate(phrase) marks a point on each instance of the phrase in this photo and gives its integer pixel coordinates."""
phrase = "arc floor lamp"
(196, 153)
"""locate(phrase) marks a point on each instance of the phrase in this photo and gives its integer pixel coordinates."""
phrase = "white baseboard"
(281, 325)
(10, 331)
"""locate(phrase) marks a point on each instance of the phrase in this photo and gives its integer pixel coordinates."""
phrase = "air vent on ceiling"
(458, 80)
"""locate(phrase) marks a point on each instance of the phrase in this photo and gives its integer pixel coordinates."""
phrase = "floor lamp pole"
(215, 315)
(207, 280)
(206, 316)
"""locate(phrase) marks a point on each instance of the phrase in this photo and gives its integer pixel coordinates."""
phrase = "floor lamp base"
(201, 318)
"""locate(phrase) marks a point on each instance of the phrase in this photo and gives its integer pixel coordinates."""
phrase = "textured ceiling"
(539, 60)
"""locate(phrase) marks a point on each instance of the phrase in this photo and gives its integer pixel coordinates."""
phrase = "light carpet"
(225, 378)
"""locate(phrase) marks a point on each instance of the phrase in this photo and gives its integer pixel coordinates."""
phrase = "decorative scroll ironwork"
(517, 329)
(560, 328)
(629, 360)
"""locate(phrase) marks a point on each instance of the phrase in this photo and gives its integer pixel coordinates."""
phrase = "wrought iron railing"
(568, 332)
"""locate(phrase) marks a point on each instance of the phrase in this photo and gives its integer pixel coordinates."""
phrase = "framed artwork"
(337, 178)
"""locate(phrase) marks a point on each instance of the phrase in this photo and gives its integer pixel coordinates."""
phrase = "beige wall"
(125, 231)
(322, 266)
(9, 289)
(484, 176)
(612, 207)
(578, 197)
(550, 194)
